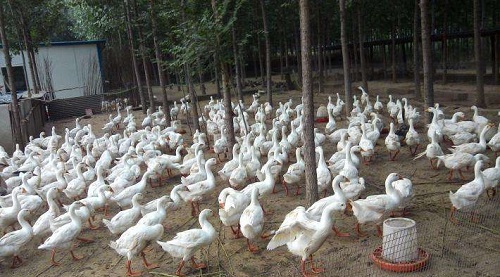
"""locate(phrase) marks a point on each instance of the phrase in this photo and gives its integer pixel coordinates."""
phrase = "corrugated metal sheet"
(73, 107)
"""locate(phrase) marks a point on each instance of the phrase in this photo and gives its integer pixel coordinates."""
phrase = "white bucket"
(400, 240)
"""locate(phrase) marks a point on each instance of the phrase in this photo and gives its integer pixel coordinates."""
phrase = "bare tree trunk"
(217, 75)
(308, 102)
(444, 44)
(416, 51)
(298, 55)
(496, 62)
(29, 49)
(239, 91)
(393, 55)
(268, 53)
(16, 118)
(345, 58)
(192, 96)
(200, 75)
(427, 56)
(261, 63)
(255, 70)
(364, 76)
(480, 101)
(134, 58)
(228, 111)
(145, 58)
(161, 73)
(320, 57)
(355, 75)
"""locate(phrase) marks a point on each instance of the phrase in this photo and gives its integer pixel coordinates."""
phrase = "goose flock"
(59, 183)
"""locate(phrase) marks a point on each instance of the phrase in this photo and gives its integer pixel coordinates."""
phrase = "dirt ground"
(341, 256)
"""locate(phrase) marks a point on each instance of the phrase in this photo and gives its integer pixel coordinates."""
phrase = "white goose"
(174, 197)
(158, 216)
(367, 146)
(42, 224)
(374, 208)
(11, 243)
(185, 244)
(350, 171)
(8, 215)
(196, 192)
(239, 175)
(264, 187)
(252, 221)
(304, 236)
(63, 237)
(124, 198)
(294, 173)
(126, 218)
(412, 138)
(331, 125)
(316, 210)
(254, 164)
(474, 147)
(392, 143)
(133, 241)
(491, 178)
(231, 206)
(494, 142)
(458, 161)
(404, 187)
(468, 194)
(324, 177)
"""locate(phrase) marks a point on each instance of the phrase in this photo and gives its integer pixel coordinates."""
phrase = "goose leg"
(432, 163)
(252, 248)
(15, 261)
(394, 157)
(285, 187)
(452, 215)
(91, 226)
(145, 262)
(193, 210)
(181, 265)
(266, 212)
(450, 175)
(52, 258)
(379, 231)
(415, 150)
(236, 233)
(129, 270)
(85, 240)
(313, 268)
(340, 234)
(75, 258)
(297, 192)
(491, 192)
(461, 175)
(196, 265)
(358, 230)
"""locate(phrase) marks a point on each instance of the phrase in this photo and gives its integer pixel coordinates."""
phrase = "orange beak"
(221, 205)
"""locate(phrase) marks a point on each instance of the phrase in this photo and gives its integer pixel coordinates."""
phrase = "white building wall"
(71, 67)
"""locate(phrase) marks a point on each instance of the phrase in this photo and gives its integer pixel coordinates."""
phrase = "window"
(18, 77)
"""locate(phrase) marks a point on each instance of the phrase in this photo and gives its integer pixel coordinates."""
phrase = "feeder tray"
(423, 259)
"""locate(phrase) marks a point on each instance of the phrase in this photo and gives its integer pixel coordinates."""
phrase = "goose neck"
(74, 217)
(338, 192)
(15, 201)
(24, 223)
(206, 225)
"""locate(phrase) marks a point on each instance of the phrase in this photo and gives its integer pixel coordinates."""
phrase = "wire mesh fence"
(434, 247)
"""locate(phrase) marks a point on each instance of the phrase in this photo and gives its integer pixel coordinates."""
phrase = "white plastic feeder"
(399, 243)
